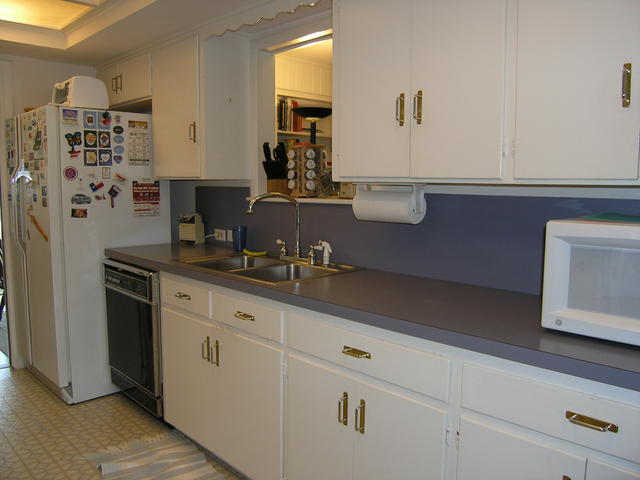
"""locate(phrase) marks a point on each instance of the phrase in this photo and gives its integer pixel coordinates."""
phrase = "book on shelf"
(288, 121)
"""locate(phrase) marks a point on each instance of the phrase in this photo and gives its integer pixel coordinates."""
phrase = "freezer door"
(45, 286)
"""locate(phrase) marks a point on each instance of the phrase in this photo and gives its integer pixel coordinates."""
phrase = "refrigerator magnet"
(78, 213)
(89, 119)
(119, 149)
(118, 129)
(104, 157)
(104, 139)
(80, 199)
(74, 139)
(104, 122)
(90, 158)
(96, 186)
(113, 192)
(69, 116)
(90, 138)
(120, 178)
(106, 172)
(119, 139)
(117, 158)
(70, 173)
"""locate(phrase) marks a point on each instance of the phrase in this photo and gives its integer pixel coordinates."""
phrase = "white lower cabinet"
(490, 453)
(340, 427)
(364, 403)
(188, 377)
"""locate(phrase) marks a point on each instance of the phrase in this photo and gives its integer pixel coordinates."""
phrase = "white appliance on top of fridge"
(81, 181)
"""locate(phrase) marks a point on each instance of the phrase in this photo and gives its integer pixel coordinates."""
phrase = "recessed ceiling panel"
(53, 14)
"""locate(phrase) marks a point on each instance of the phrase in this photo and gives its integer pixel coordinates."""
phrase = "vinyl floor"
(41, 437)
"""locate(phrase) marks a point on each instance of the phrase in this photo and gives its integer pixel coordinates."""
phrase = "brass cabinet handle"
(354, 352)
(114, 84)
(192, 132)
(205, 345)
(343, 409)
(417, 107)
(360, 417)
(244, 316)
(119, 83)
(183, 296)
(217, 353)
(590, 422)
(400, 109)
(626, 85)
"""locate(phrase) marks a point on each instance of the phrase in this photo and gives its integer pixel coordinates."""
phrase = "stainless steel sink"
(289, 272)
(230, 264)
(269, 270)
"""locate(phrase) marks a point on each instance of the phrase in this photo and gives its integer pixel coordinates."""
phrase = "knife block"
(278, 185)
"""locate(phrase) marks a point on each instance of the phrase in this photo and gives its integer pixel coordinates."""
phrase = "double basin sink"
(267, 269)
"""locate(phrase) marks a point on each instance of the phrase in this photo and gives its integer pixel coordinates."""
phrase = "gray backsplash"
(492, 241)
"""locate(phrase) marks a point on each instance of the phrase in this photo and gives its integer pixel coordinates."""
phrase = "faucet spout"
(291, 200)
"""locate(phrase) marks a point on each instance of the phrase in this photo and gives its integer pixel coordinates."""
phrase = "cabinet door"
(487, 453)
(319, 446)
(458, 65)
(109, 76)
(373, 65)
(175, 110)
(188, 378)
(247, 428)
(570, 122)
(597, 470)
(135, 78)
(402, 438)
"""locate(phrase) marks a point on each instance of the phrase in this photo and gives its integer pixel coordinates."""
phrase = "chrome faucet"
(293, 201)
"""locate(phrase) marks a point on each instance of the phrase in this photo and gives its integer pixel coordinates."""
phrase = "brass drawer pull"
(417, 107)
(626, 85)
(400, 109)
(244, 316)
(343, 409)
(183, 296)
(354, 352)
(216, 354)
(360, 417)
(206, 350)
(589, 422)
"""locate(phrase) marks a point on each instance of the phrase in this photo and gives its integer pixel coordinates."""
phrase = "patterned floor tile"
(41, 437)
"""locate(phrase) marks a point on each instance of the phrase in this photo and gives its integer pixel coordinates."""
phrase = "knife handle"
(267, 151)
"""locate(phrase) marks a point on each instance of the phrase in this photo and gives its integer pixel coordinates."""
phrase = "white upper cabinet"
(296, 77)
(458, 68)
(127, 81)
(372, 68)
(200, 108)
(419, 88)
(570, 121)
(176, 138)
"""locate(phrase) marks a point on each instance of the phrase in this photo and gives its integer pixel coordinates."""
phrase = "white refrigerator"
(81, 181)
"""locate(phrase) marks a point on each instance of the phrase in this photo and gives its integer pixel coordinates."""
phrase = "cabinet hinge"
(284, 370)
(513, 148)
(458, 440)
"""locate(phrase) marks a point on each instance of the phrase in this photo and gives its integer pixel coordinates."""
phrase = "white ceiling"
(117, 27)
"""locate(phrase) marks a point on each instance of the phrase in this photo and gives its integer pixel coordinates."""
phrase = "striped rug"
(162, 457)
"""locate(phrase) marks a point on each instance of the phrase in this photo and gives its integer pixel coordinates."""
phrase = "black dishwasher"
(133, 328)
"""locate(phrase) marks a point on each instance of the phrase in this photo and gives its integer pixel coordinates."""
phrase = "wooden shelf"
(302, 134)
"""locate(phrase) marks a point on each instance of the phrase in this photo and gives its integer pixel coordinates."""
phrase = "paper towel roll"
(389, 205)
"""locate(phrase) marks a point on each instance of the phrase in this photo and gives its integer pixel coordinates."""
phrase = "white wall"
(33, 79)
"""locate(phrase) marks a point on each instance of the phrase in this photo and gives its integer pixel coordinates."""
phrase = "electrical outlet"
(219, 234)
(229, 235)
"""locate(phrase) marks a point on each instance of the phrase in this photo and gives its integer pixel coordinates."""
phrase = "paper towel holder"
(417, 190)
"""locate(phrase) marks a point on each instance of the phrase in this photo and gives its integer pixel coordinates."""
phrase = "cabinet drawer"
(185, 294)
(249, 316)
(543, 407)
(418, 371)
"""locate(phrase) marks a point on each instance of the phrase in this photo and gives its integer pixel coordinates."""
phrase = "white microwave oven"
(591, 280)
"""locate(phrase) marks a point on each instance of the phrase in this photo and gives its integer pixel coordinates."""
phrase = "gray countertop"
(495, 322)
